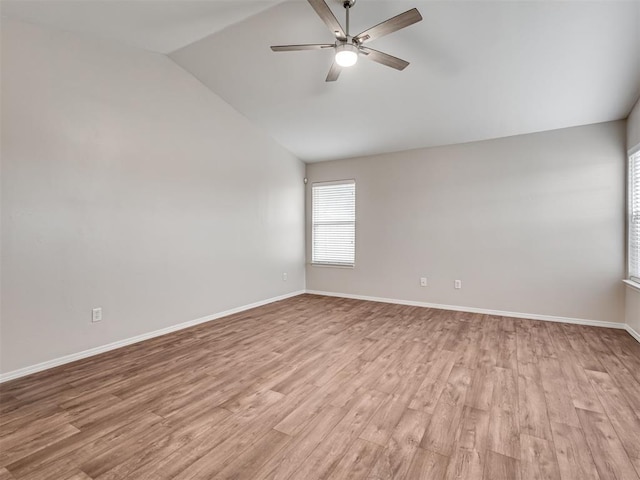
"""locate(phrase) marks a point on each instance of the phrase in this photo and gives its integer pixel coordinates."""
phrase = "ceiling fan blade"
(327, 16)
(389, 26)
(293, 48)
(384, 58)
(334, 72)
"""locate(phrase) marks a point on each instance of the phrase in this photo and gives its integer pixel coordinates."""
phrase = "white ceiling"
(479, 69)
(156, 25)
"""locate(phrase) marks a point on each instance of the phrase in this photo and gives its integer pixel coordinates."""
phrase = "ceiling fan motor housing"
(349, 40)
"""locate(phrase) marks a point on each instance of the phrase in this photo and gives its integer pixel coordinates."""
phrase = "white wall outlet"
(284, 277)
(457, 284)
(96, 314)
(423, 281)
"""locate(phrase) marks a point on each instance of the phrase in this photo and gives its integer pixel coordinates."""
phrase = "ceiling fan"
(347, 48)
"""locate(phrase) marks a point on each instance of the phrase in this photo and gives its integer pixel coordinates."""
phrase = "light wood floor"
(315, 387)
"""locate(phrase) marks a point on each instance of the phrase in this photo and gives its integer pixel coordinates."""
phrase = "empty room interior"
(320, 239)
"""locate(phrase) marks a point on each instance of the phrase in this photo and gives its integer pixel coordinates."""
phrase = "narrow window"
(634, 217)
(334, 223)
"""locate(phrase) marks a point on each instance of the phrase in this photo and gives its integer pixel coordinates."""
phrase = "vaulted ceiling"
(479, 69)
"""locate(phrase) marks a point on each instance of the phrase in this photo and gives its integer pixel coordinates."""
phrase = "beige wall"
(632, 313)
(128, 185)
(530, 224)
(633, 127)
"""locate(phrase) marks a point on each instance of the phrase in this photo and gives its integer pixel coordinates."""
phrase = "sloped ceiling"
(156, 25)
(479, 69)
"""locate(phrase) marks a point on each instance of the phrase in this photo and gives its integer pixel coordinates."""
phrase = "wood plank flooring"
(324, 388)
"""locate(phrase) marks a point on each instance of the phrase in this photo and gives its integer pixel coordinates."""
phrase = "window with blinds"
(333, 207)
(634, 217)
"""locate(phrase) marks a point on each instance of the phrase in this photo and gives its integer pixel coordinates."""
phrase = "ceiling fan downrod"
(347, 6)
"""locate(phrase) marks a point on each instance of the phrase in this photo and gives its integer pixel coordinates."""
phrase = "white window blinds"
(634, 217)
(334, 223)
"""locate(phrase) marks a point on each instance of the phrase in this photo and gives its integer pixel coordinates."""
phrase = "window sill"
(331, 265)
(632, 284)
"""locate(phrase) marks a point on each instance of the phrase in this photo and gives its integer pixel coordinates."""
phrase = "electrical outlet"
(457, 284)
(423, 281)
(284, 277)
(96, 314)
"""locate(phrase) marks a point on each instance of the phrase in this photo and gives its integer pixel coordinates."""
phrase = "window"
(634, 217)
(333, 223)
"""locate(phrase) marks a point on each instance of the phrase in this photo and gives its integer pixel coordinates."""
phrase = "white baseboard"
(531, 316)
(633, 333)
(5, 377)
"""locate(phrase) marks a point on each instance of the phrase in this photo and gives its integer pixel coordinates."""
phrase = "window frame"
(633, 155)
(314, 263)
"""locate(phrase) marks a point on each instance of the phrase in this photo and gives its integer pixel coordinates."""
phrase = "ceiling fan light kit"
(348, 48)
(346, 55)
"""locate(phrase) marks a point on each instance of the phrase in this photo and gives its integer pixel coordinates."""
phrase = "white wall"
(632, 312)
(530, 224)
(126, 184)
